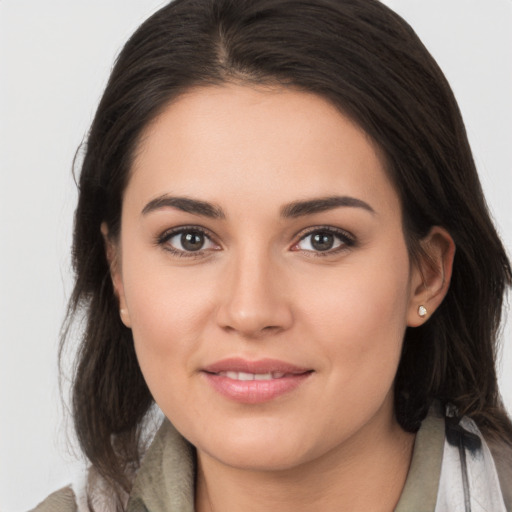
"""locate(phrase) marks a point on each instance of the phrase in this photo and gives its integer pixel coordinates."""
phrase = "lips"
(254, 382)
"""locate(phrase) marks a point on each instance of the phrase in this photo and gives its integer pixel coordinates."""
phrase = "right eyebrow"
(185, 204)
(322, 204)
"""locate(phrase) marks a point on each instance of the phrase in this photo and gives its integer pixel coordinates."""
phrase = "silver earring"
(422, 311)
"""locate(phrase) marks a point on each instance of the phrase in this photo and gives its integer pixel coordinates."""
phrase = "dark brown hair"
(369, 63)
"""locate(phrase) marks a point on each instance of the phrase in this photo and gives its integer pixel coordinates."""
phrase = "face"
(263, 270)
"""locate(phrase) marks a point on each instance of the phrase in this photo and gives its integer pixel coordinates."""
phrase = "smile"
(252, 376)
(254, 382)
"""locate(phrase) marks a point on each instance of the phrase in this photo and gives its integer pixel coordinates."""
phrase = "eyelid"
(348, 240)
(165, 236)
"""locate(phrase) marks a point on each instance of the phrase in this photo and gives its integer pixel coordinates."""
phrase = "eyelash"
(347, 241)
(167, 235)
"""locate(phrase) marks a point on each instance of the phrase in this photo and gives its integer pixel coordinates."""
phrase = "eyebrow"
(309, 207)
(185, 204)
(291, 210)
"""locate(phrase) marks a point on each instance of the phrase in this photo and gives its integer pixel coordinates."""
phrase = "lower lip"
(255, 391)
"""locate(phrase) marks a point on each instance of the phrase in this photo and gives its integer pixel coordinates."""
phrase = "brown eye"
(322, 241)
(192, 241)
(186, 241)
(326, 240)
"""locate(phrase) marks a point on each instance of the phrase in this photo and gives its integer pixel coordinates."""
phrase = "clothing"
(435, 482)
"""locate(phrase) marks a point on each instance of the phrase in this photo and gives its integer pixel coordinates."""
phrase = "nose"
(254, 302)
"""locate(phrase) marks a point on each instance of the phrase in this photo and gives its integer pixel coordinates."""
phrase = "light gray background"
(55, 57)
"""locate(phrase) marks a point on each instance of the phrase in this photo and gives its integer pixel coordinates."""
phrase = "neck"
(366, 473)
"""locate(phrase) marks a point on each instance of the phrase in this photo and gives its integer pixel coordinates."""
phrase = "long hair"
(370, 64)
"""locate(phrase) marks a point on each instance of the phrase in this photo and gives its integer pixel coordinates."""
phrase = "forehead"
(255, 142)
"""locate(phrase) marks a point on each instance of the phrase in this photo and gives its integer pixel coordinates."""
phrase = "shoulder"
(502, 455)
(60, 501)
(89, 491)
(87, 494)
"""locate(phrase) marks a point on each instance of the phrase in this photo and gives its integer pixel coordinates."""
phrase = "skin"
(259, 289)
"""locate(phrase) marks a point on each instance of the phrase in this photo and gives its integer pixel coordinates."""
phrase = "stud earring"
(422, 311)
(122, 312)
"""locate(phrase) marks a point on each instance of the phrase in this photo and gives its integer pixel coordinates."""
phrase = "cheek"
(358, 315)
(168, 311)
(166, 330)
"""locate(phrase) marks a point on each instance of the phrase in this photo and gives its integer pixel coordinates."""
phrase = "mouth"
(254, 382)
(245, 376)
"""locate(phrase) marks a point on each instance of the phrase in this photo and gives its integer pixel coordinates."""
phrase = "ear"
(112, 254)
(430, 276)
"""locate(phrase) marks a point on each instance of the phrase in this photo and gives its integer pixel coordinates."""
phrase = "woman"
(281, 240)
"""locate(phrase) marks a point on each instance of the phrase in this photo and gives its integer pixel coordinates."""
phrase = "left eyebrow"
(309, 207)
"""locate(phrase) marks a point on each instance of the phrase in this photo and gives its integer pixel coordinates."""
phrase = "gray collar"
(165, 482)
(420, 490)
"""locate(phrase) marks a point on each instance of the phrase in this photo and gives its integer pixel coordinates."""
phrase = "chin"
(257, 458)
(265, 450)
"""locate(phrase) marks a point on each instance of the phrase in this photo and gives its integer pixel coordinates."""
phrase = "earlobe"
(431, 275)
(112, 255)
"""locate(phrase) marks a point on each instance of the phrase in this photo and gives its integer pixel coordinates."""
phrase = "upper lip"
(261, 366)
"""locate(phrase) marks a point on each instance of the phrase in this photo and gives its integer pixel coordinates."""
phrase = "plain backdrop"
(55, 58)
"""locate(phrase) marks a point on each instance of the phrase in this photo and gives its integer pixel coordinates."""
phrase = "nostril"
(271, 328)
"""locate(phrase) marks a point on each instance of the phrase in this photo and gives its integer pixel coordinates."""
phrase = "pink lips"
(254, 382)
